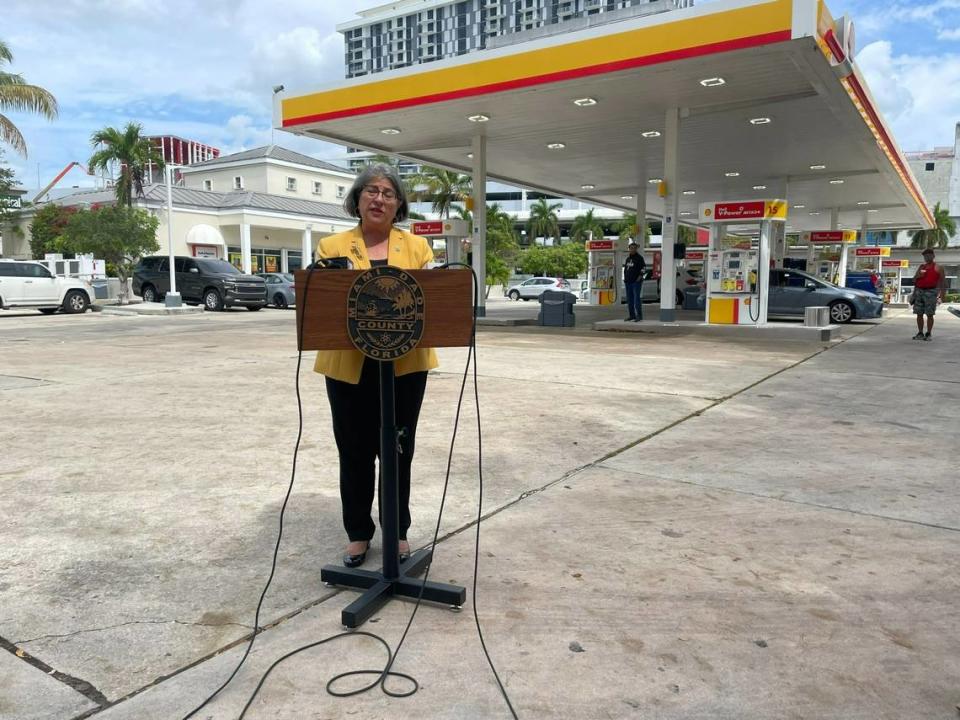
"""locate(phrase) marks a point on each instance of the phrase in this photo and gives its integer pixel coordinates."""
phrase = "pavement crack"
(81, 686)
(124, 624)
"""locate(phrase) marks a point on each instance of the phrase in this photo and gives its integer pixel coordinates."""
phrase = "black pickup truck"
(215, 283)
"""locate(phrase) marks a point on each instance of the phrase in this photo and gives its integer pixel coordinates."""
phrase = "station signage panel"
(427, 228)
(746, 210)
(831, 237)
(895, 263)
(872, 252)
(695, 255)
(599, 245)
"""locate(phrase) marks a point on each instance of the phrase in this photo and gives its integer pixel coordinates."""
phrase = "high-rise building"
(408, 32)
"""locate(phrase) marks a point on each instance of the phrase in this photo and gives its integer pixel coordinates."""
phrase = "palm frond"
(10, 135)
(27, 98)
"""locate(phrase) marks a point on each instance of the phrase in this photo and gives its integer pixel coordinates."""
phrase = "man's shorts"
(924, 301)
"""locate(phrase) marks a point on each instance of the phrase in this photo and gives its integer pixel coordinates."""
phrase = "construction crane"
(58, 178)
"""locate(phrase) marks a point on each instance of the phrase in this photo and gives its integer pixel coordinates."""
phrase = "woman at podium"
(378, 199)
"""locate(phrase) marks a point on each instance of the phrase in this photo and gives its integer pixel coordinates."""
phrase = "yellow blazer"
(406, 251)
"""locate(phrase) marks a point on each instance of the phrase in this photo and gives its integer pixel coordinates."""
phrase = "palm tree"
(586, 225)
(628, 229)
(16, 94)
(442, 188)
(132, 151)
(944, 229)
(543, 220)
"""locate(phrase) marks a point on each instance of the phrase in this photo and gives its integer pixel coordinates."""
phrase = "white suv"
(25, 284)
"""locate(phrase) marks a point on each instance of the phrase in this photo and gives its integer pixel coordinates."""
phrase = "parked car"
(791, 291)
(25, 284)
(281, 291)
(215, 283)
(532, 288)
(650, 290)
(865, 280)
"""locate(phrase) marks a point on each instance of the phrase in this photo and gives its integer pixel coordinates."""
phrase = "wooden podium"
(327, 304)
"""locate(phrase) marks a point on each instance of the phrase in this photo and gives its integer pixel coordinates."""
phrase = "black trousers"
(356, 428)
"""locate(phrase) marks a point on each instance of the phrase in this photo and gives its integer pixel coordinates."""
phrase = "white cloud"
(198, 70)
(914, 93)
(951, 34)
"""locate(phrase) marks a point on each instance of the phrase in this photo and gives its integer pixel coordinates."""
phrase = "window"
(291, 184)
(238, 182)
(34, 270)
(208, 184)
(317, 187)
(341, 191)
(7, 269)
(930, 167)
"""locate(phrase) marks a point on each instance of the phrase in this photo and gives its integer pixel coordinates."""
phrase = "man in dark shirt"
(633, 268)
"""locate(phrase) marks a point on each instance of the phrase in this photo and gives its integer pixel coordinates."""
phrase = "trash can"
(816, 316)
(692, 299)
(556, 308)
(101, 289)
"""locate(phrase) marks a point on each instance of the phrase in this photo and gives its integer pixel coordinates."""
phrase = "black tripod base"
(379, 589)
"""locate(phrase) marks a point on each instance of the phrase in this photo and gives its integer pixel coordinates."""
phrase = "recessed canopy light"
(713, 82)
(759, 187)
(814, 213)
(626, 197)
(655, 181)
(888, 222)
(732, 174)
(818, 167)
(799, 207)
(685, 213)
(390, 131)
(651, 134)
(863, 202)
(478, 118)
(689, 192)
(470, 155)
(584, 102)
(587, 187)
(556, 146)
(760, 121)
(836, 181)
(873, 211)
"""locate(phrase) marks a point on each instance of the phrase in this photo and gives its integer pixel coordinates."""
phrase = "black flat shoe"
(352, 561)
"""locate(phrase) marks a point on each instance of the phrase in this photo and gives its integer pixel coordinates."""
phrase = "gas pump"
(739, 258)
(451, 232)
(892, 275)
(826, 265)
(606, 259)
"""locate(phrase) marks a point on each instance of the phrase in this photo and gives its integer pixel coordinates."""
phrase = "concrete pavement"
(680, 526)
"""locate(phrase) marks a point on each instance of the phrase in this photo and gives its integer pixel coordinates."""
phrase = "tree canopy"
(131, 151)
(544, 221)
(18, 95)
(118, 234)
(442, 188)
(567, 260)
(940, 235)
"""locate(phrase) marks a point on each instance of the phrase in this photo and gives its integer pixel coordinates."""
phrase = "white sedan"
(534, 287)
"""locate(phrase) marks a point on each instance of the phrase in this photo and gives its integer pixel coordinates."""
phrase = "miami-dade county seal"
(385, 313)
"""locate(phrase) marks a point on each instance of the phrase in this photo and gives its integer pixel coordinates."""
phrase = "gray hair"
(370, 173)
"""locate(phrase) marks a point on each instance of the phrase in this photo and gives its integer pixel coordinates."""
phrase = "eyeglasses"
(371, 191)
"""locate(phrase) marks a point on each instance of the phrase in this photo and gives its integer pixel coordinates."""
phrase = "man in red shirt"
(929, 284)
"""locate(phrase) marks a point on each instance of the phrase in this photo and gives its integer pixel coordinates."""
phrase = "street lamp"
(172, 298)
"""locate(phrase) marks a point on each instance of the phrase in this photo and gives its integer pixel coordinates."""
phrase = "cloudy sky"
(204, 70)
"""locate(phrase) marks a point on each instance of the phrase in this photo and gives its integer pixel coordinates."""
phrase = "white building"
(262, 209)
(408, 32)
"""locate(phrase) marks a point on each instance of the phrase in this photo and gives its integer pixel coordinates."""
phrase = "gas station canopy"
(770, 105)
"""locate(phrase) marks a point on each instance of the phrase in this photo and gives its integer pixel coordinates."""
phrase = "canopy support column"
(479, 240)
(671, 211)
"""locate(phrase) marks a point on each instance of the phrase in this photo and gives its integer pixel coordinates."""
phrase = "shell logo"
(446, 227)
(708, 212)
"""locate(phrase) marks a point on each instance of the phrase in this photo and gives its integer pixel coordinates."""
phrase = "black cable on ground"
(386, 672)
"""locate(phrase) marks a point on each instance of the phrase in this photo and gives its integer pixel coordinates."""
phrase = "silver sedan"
(281, 291)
